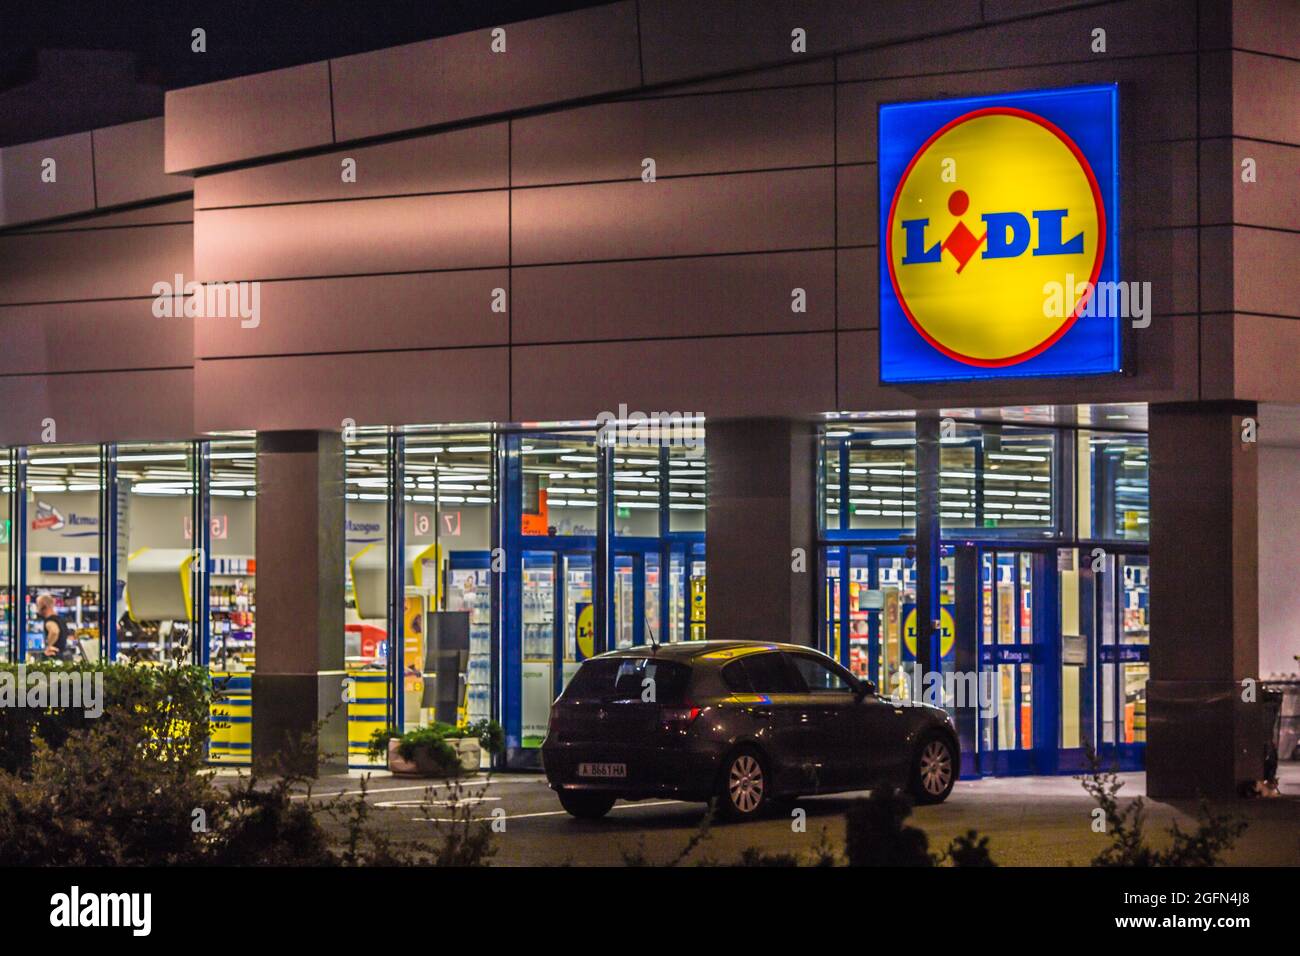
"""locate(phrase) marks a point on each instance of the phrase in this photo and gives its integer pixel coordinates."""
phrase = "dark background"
(69, 66)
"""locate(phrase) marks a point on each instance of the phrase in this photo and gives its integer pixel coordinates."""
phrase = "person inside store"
(58, 642)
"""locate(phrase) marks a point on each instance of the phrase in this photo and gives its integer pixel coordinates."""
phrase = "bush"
(166, 702)
(490, 735)
(1214, 835)
(132, 789)
(875, 834)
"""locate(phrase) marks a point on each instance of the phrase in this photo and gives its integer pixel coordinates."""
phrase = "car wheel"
(586, 806)
(934, 770)
(746, 786)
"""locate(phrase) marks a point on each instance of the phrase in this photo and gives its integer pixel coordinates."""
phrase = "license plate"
(602, 770)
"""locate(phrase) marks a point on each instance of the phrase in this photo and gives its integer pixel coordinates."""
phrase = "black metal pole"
(927, 544)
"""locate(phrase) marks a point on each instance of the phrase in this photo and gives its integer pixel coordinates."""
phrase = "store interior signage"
(999, 226)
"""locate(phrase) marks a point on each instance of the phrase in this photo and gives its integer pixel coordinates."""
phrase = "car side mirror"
(866, 688)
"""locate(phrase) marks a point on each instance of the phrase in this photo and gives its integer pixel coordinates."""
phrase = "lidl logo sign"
(987, 206)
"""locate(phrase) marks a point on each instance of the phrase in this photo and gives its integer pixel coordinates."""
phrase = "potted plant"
(437, 750)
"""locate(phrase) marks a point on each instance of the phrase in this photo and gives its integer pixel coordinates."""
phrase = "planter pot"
(469, 751)
(422, 763)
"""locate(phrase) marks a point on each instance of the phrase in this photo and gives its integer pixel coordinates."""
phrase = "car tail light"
(679, 719)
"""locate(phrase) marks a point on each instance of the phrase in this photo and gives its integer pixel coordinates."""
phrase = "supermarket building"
(459, 275)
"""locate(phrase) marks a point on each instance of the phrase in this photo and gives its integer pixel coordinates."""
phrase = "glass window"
(820, 677)
(880, 482)
(155, 527)
(232, 607)
(687, 482)
(559, 490)
(232, 513)
(992, 476)
(770, 674)
(8, 524)
(64, 484)
(637, 483)
(450, 497)
(624, 680)
(366, 643)
(1114, 485)
(736, 678)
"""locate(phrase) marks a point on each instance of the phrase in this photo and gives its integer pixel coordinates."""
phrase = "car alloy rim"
(936, 767)
(746, 784)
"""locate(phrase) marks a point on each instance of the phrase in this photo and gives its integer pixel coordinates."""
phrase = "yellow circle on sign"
(986, 299)
(947, 631)
(586, 632)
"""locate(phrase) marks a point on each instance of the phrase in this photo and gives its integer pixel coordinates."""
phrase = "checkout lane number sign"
(986, 205)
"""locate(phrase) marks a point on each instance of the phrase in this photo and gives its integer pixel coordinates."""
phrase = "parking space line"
(550, 813)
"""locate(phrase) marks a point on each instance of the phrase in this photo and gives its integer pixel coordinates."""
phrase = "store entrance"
(1017, 726)
(1105, 662)
(1124, 656)
(870, 619)
(558, 628)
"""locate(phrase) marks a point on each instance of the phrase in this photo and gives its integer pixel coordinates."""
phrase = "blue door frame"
(1036, 664)
(606, 551)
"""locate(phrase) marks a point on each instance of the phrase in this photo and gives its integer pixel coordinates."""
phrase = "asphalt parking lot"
(1030, 821)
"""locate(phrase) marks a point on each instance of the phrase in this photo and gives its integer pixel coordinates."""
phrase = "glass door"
(540, 631)
(870, 618)
(629, 600)
(1014, 707)
(1123, 658)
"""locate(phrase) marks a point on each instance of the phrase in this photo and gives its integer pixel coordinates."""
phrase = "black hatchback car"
(748, 723)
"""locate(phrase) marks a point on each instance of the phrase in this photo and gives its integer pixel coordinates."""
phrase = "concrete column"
(762, 506)
(1202, 738)
(299, 674)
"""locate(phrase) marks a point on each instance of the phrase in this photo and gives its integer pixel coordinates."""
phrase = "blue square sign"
(999, 236)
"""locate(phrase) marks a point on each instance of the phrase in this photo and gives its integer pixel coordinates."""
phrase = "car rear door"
(777, 700)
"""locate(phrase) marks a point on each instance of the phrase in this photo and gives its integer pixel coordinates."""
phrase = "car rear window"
(622, 679)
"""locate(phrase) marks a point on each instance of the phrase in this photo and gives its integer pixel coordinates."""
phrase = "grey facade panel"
(370, 388)
(686, 135)
(719, 377)
(748, 212)
(404, 234)
(1265, 94)
(1139, 28)
(1157, 97)
(88, 336)
(128, 164)
(249, 116)
(662, 298)
(98, 406)
(45, 179)
(364, 313)
(466, 159)
(1161, 366)
(684, 39)
(92, 264)
(565, 57)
